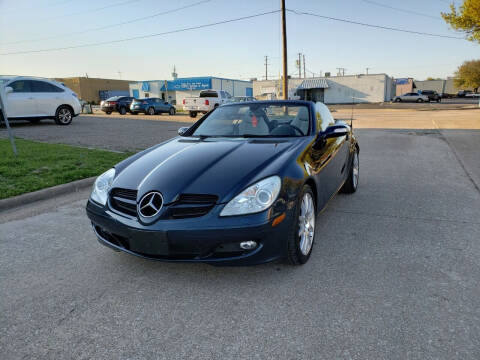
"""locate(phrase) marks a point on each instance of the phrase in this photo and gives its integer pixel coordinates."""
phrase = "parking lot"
(393, 275)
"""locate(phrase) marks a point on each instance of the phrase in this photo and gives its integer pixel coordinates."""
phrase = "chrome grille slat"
(124, 201)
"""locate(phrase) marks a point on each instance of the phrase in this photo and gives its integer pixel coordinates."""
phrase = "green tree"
(468, 75)
(466, 19)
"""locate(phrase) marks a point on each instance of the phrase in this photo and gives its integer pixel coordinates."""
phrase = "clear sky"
(235, 49)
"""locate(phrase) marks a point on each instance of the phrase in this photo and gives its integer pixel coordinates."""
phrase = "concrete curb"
(25, 199)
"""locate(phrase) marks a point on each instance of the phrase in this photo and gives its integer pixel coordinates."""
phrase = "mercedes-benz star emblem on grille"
(150, 204)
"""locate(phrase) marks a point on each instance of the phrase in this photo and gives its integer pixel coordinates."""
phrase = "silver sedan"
(411, 97)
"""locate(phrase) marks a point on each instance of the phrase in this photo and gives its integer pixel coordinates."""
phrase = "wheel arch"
(68, 106)
(310, 182)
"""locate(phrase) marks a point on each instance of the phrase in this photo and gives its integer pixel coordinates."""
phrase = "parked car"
(151, 106)
(463, 93)
(411, 97)
(33, 99)
(243, 185)
(205, 102)
(120, 104)
(472, 95)
(431, 94)
(242, 98)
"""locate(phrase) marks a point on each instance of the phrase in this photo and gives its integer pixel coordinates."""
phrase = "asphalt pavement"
(393, 275)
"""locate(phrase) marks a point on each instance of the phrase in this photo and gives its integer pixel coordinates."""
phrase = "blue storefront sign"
(188, 84)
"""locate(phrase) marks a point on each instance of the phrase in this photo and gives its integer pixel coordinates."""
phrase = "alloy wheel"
(65, 116)
(306, 222)
(356, 169)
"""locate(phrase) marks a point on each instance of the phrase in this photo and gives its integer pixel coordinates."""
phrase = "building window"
(147, 95)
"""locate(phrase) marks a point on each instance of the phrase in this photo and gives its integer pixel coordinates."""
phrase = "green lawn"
(40, 165)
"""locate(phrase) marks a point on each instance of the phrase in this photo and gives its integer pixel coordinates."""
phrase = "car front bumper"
(214, 239)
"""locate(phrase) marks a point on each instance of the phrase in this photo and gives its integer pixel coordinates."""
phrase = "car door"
(48, 97)
(158, 103)
(21, 101)
(330, 158)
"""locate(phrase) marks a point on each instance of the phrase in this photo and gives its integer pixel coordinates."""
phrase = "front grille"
(192, 205)
(124, 201)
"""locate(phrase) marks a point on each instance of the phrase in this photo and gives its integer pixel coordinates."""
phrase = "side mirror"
(333, 131)
(336, 131)
(183, 130)
(8, 90)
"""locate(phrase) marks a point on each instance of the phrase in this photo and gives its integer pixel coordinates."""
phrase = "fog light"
(248, 245)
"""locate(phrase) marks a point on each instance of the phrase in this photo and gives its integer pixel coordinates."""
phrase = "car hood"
(221, 167)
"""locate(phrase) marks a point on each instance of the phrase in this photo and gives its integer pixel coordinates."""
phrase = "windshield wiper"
(253, 136)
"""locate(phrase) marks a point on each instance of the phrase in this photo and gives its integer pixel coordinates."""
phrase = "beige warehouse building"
(89, 89)
(372, 88)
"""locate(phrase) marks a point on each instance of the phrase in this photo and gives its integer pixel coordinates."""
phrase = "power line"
(142, 36)
(101, 8)
(375, 26)
(402, 10)
(111, 25)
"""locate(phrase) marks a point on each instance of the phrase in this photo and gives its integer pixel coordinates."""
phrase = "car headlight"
(255, 198)
(101, 186)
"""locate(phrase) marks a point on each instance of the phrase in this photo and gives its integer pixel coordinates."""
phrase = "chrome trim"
(149, 204)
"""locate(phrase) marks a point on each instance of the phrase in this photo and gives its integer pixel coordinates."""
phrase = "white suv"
(30, 98)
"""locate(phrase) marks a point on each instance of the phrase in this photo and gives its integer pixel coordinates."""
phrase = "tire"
(108, 112)
(63, 115)
(193, 114)
(172, 111)
(122, 110)
(419, 100)
(439, 100)
(302, 235)
(351, 184)
(150, 111)
(398, 100)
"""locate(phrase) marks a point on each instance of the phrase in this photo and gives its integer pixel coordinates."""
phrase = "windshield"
(256, 120)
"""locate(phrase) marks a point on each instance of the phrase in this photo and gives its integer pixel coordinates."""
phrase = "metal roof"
(313, 84)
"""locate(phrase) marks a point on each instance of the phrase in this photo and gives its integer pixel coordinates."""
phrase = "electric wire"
(111, 25)
(142, 36)
(375, 26)
(401, 10)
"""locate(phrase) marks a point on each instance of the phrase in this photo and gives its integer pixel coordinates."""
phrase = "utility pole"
(304, 73)
(367, 69)
(266, 67)
(284, 47)
(341, 71)
(299, 65)
(119, 74)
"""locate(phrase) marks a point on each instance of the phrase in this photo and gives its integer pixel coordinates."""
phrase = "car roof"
(272, 102)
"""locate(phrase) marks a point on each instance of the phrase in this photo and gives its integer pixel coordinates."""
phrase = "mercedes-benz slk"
(241, 186)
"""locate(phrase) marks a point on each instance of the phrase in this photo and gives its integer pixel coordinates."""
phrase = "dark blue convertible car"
(241, 186)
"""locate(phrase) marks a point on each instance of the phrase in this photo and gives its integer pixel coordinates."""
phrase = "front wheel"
(419, 100)
(302, 235)
(193, 114)
(64, 115)
(122, 111)
(398, 100)
(351, 184)
(151, 111)
(172, 111)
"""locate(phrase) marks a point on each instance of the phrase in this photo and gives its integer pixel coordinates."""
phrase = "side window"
(44, 87)
(21, 86)
(323, 117)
